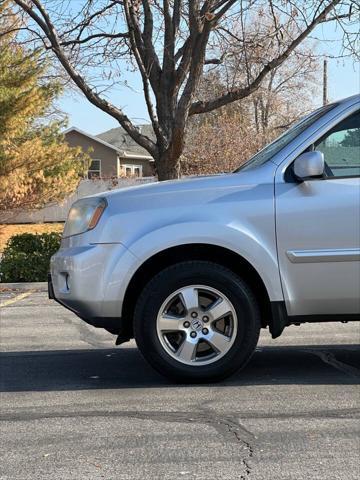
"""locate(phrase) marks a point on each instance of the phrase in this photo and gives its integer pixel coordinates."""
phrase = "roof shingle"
(122, 140)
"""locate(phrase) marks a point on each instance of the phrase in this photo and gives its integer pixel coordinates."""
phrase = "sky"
(343, 81)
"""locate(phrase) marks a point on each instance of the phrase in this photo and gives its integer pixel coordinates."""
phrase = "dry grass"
(7, 231)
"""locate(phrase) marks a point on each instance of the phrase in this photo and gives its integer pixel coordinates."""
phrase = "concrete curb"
(25, 286)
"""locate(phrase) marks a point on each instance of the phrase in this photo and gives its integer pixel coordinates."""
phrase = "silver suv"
(194, 268)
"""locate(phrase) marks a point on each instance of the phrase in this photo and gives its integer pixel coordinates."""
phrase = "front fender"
(257, 247)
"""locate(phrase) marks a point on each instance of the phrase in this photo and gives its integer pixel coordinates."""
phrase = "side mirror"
(309, 165)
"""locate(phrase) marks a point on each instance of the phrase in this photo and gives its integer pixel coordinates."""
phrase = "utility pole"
(325, 83)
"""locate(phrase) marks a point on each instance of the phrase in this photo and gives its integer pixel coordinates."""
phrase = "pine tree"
(36, 164)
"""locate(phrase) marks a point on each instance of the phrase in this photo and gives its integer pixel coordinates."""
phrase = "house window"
(133, 170)
(94, 169)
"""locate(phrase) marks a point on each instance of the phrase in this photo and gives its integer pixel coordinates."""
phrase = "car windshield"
(279, 143)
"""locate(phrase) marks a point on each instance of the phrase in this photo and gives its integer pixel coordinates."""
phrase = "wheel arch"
(194, 251)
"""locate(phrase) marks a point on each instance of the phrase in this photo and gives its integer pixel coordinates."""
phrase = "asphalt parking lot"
(74, 406)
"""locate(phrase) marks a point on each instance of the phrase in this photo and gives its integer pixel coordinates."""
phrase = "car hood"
(195, 190)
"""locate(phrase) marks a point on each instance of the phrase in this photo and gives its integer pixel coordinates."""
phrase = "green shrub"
(26, 257)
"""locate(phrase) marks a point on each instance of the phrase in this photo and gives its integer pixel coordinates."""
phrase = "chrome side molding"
(317, 256)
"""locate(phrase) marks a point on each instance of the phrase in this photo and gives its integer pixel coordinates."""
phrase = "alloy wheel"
(197, 325)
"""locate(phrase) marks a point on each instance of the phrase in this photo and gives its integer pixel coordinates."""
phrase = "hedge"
(26, 257)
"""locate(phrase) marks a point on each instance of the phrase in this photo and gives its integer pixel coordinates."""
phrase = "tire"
(169, 300)
(168, 304)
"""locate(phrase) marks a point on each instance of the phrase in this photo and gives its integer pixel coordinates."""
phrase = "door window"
(341, 148)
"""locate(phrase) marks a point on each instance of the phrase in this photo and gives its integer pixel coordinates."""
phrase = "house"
(113, 153)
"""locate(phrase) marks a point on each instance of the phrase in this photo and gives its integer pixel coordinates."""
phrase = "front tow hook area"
(51, 294)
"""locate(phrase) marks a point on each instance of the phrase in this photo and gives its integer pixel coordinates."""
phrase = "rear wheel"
(197, 321)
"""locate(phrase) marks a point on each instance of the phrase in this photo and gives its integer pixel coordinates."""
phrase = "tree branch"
(88, 20)
(49, 30)
(144, 42)
(144, 75)
(237, 94)
(169, 41)
(79, 41)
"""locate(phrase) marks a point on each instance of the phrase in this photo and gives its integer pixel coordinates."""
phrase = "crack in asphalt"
(248, 446)
(234, 428)
(26, 415)
(330, 359)
(215, 420)
(239, 435)
(227, 427)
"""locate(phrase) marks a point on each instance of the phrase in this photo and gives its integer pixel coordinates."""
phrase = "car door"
(318, 229)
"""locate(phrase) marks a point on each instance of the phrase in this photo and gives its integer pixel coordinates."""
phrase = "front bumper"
(79, 281)
(111, 324)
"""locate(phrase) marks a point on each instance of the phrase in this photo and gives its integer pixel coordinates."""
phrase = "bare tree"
(220, 143)
(288, 91)
(223, 139)
(171, 43)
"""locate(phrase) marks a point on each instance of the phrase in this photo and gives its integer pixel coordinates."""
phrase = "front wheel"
(197, 321)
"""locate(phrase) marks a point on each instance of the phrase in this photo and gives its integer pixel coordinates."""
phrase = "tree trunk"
(168, 161)
(168, 166)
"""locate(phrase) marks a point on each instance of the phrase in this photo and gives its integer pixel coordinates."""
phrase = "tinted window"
(341, 148)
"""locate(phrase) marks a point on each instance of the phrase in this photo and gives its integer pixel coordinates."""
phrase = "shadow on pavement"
(125, 368)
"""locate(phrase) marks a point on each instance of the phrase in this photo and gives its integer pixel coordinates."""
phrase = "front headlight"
(84, 215)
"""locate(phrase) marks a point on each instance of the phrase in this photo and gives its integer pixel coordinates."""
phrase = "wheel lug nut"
(194, 314)
(193, 334)
(205, 318)
(205, 331)
(186, 324)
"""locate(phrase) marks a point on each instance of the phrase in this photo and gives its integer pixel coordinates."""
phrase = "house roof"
(119, 140)
(96, 139)
(122, 140)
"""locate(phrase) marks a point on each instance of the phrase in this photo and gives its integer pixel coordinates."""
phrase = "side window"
(341, 148)
(94, 169)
